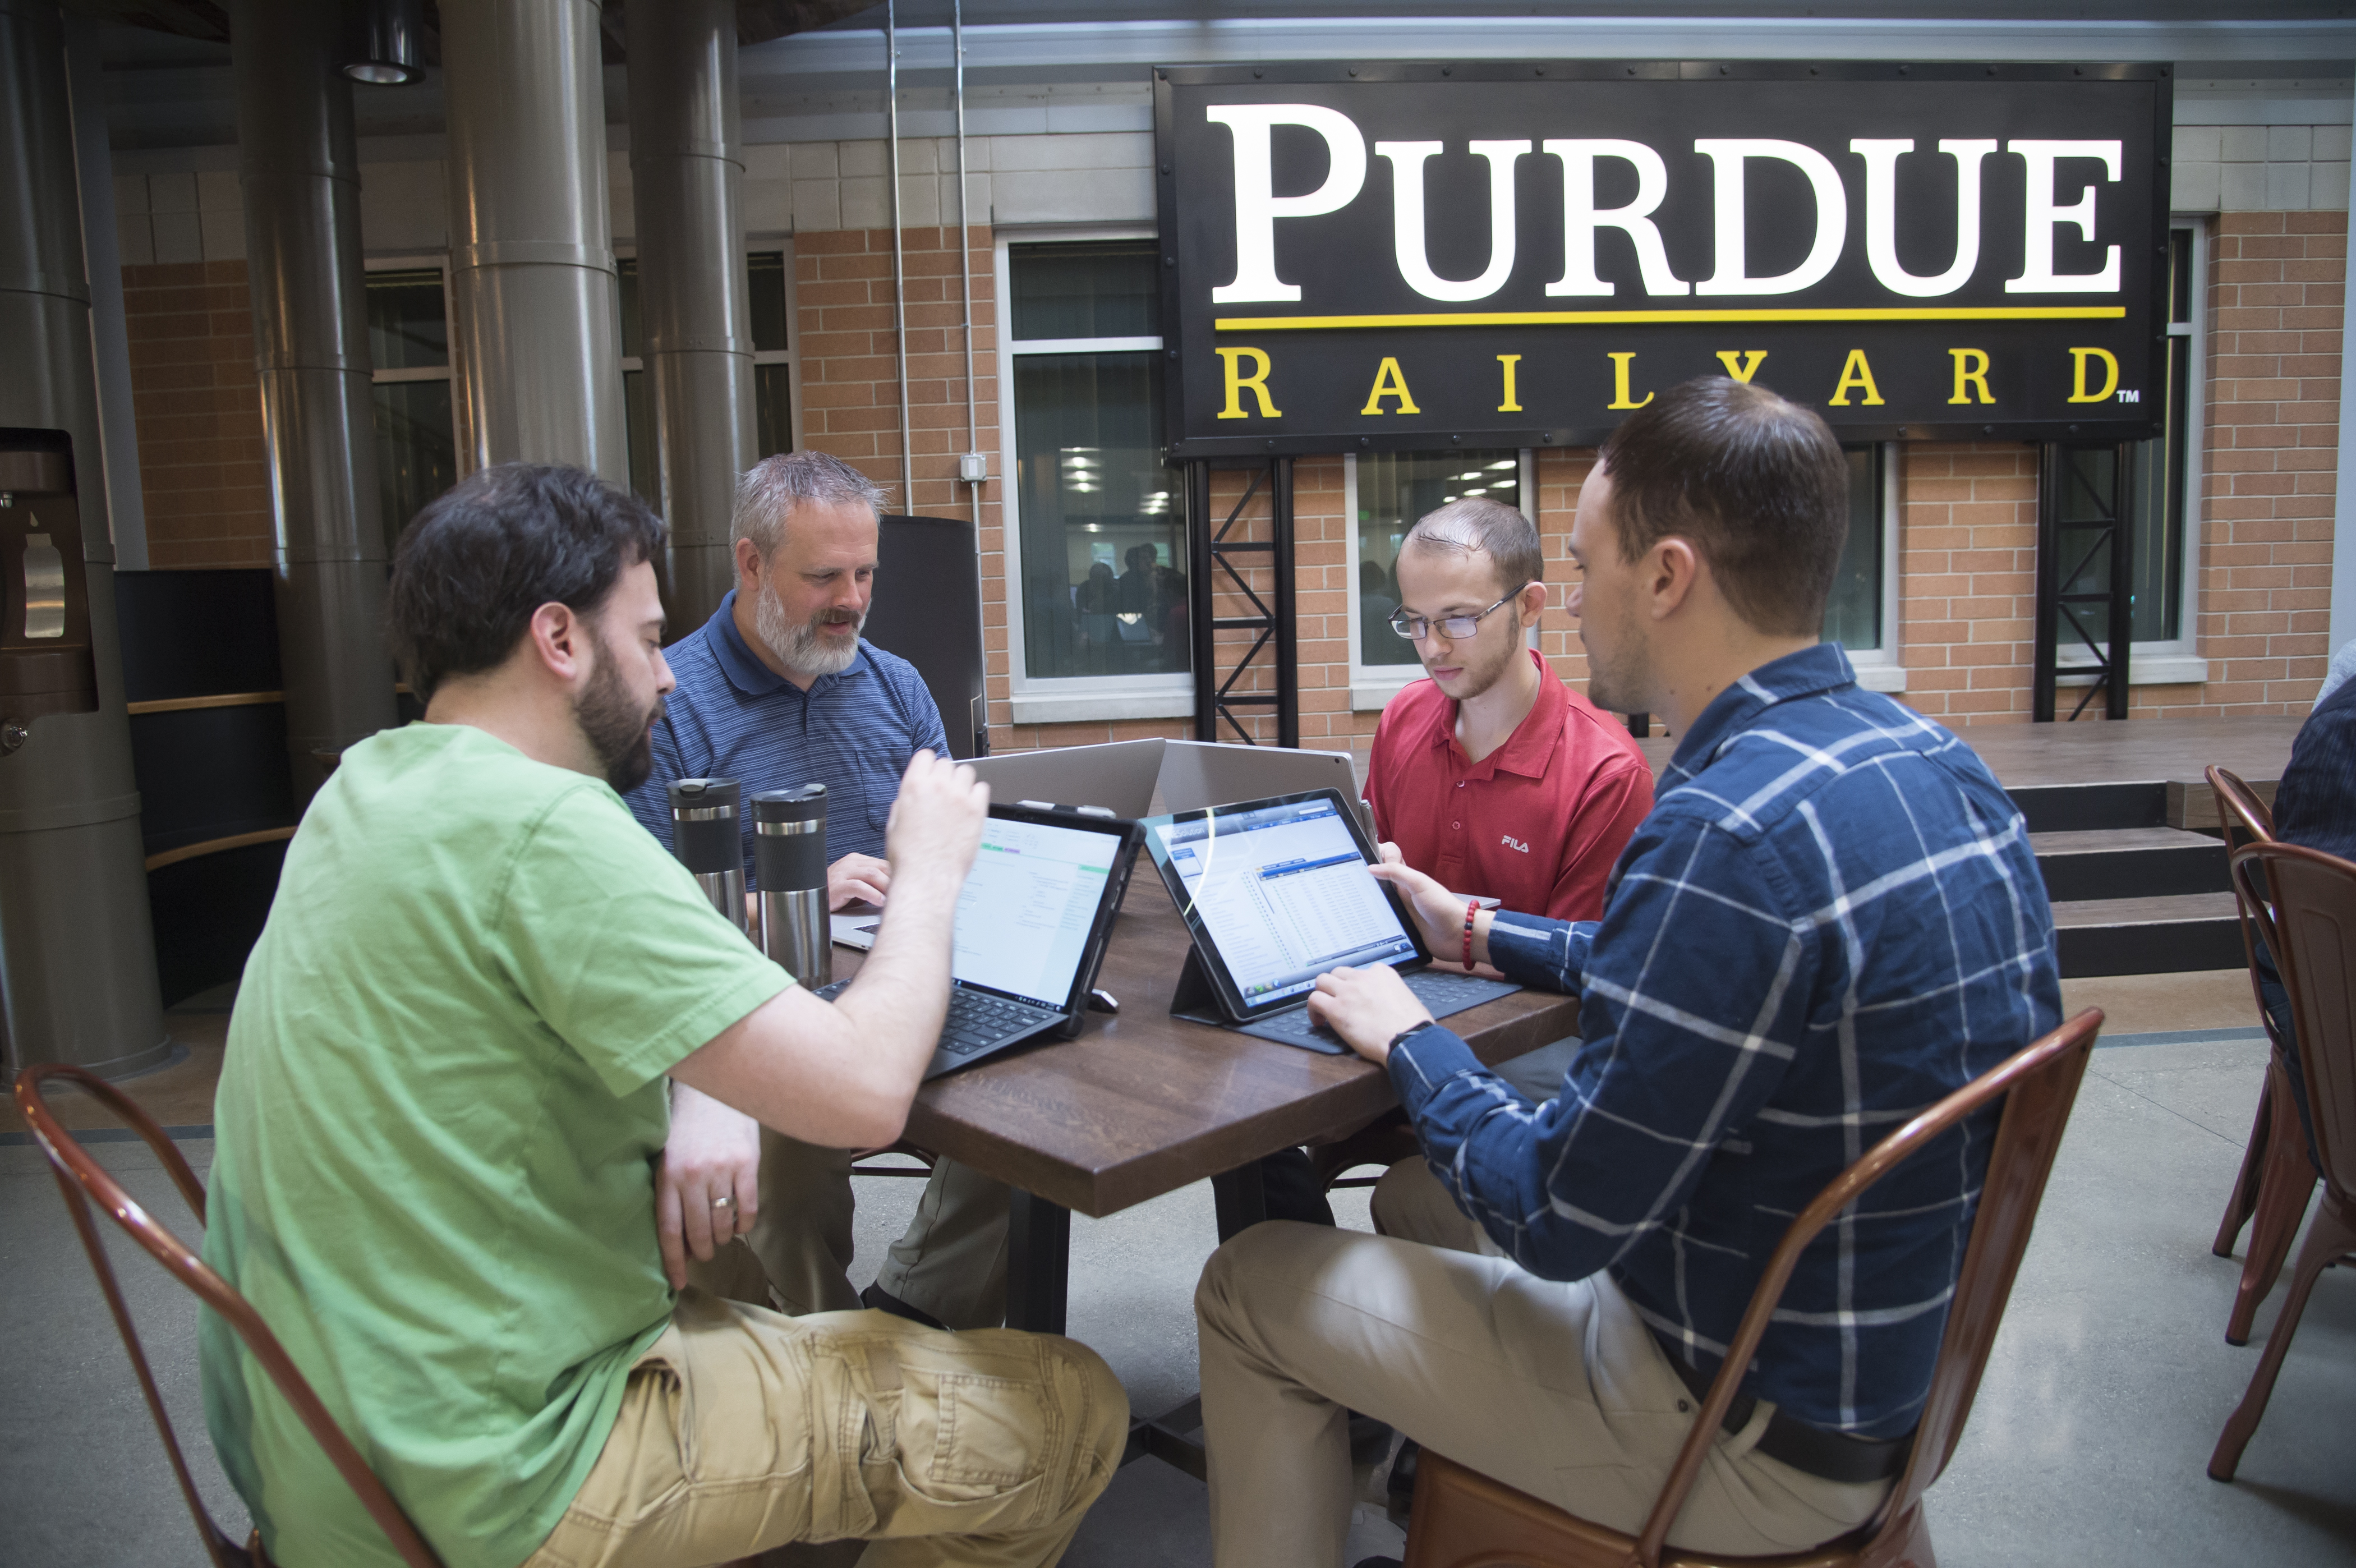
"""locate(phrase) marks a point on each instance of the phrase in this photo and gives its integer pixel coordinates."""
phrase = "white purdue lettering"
(1728, 154)
(1581, 218)
(1407, 217)
(2041, 217)
(1880, 215)
(1257, 208)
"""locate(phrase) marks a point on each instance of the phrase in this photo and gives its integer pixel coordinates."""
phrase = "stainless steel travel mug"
(705, 837)
(789, 865)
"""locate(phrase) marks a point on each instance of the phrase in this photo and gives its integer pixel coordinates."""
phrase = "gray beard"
(799, 647)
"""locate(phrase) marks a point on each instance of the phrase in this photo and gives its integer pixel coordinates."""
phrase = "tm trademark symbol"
(2130, 397)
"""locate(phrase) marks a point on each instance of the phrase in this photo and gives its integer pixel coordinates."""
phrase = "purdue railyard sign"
(1384, 255)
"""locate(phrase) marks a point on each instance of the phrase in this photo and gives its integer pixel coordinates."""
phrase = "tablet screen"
(1284, 894)
(1029, 904)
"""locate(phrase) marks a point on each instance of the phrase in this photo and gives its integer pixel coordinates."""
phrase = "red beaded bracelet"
(1470, 910)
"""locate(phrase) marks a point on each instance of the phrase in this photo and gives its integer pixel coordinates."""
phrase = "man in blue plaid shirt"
(1830, 919)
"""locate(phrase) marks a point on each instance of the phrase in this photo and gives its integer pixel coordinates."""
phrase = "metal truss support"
(1216, 696)
(2085, 557)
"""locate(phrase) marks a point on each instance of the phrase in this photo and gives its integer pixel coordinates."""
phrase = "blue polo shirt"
(731, 718)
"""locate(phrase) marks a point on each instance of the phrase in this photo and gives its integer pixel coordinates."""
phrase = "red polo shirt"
(1538, 823)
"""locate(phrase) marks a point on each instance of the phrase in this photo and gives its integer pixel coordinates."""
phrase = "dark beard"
(621, 734)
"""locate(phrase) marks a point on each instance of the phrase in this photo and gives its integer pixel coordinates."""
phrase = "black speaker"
(928, 609)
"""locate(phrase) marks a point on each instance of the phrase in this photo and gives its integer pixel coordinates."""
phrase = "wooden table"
(1142, 1104)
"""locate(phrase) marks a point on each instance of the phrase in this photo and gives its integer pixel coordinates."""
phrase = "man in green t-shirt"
(444, 1106)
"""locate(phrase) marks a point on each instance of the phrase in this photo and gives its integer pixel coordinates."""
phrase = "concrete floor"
(2105, 1392)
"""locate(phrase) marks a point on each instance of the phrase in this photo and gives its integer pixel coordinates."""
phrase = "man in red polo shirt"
(1494, 776)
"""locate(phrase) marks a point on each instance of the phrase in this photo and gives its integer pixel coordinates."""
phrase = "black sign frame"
(1187, 335)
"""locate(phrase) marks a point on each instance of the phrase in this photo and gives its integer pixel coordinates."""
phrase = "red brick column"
(2270, 469)
(1968, 579)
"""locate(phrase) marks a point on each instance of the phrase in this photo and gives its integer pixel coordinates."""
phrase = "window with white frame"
(1387, 493)
(1096, 526)
(2164, 478)
(776, 413)
(409, 345)
(1862, 613)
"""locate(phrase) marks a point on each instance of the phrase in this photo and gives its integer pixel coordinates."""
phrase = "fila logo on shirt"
(1510, 841)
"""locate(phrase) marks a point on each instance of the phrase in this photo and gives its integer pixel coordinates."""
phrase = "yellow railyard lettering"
(1621, 396)
(1390, 382)
(1512, 404)
(1742, 363)
(1971, 373)
(1238, 381)
(2078, 358)
(1856, 376)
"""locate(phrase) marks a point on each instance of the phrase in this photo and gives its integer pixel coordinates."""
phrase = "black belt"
(1827, 1455)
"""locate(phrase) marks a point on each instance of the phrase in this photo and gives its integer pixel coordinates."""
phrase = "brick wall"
(2270, 467)
(1968, 579)
(201, 460)
(850, 388)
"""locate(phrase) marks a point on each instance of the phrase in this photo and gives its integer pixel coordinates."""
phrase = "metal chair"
(82, 1180)
(2311, 929)
(1464, 1520)
(2276, 1178)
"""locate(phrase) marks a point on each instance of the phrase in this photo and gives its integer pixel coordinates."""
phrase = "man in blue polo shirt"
(778, 690)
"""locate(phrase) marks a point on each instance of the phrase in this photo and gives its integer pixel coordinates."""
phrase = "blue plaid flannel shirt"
(1830, 921)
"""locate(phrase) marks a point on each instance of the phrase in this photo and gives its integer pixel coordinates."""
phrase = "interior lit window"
(1100, 523)
(409, 345)
(769, 287)
(1394, 489)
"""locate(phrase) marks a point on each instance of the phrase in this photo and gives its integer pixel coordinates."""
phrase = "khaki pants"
(742, 1431)
(1558, 1390)
(951, 1263)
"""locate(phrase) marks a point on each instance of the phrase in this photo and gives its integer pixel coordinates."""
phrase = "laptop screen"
(1285, 894)
(1023, 919)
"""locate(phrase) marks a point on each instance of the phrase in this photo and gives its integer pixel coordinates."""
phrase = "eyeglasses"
(1456, 629)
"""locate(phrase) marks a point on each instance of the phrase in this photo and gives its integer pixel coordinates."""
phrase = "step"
(2148, 936)
(2128, 863)
(2074, 808)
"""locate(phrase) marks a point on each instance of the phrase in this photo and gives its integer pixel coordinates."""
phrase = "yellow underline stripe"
(1672, 317)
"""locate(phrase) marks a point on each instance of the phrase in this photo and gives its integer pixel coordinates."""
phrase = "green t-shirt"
(437, 1124)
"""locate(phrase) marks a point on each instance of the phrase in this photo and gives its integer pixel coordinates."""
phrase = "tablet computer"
(1275, 892)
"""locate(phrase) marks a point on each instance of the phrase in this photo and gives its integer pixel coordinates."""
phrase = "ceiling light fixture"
(385, 43)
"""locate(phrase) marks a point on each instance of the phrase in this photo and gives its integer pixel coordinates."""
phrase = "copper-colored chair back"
(2273, 1184)
(80, 1179)
(2311, 924)
(2244, 816)
(2038, 1086)
(2246, 819)
(2310, 927)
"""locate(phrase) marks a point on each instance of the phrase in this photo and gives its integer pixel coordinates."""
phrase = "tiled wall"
(201, 462)
(2259, 168)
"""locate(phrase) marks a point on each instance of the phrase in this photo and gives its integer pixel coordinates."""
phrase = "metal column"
(687, 168)
(535, 327)
(77, 955)
(299, 167)
(2086, 507)
(1217, 698)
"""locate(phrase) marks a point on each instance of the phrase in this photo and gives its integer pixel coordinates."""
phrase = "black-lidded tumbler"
(704, 835)
(789, 865)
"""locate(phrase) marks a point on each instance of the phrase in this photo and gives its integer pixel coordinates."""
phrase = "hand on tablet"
(1366, 1007)
(1439, 913)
